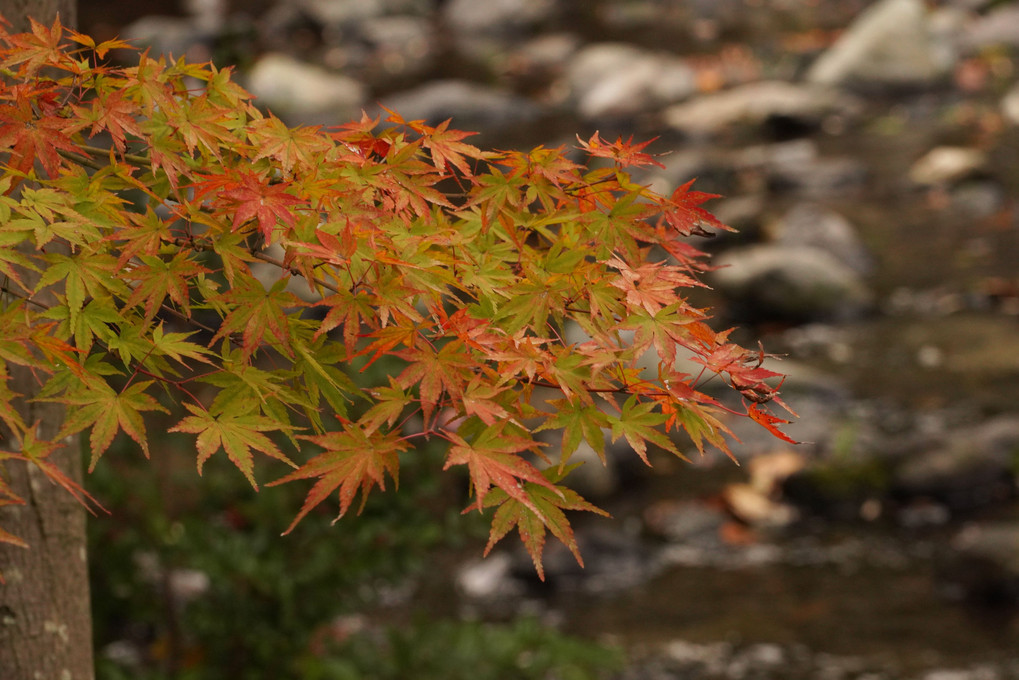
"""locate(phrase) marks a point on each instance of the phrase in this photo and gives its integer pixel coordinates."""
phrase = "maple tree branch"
(268, 259)
(21, 296)
(99, 152)
(81, 160)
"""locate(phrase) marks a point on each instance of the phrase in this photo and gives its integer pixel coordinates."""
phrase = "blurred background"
(867, 154)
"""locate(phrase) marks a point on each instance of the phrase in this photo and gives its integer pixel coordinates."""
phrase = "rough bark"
(45, 615)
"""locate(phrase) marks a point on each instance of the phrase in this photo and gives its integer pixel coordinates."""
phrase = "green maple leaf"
(637, 423)
(106, 411)
(236, 433)
(288, 146)
(159, 279)
(579, 422)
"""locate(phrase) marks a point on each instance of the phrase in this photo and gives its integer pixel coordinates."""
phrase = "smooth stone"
(890, 44)
(754, 104)
(811, 224)
(947, 165)
(795, 283)
(614, 80)
(304, 94)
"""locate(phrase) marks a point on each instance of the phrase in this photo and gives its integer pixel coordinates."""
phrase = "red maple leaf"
(681, 211)
(492, 459)
(30, 136)
(252, 196)
(625, 154)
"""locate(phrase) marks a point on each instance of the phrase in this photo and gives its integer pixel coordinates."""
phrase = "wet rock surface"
(867, 152)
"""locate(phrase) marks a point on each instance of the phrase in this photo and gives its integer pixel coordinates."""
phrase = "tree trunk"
(45, 614)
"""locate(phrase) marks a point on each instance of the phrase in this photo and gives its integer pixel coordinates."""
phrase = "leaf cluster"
(515, 292)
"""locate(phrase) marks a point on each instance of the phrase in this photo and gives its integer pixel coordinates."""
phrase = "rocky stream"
(868, 153)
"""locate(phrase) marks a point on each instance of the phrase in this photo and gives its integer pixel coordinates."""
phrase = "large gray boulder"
(891, 44)
(798, 283)
(304, 94)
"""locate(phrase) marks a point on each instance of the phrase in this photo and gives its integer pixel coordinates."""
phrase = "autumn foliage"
(516, 293)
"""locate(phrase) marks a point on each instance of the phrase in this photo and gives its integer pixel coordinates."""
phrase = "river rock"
(984, 567)
(501, 17)
(797, 283)
(811, 224)
(997, 28)
(847, 485)
(472, 106)
(304, 94)
(393, 47)
(968, 468)
(947, 165)
(821, 178)
(615, 80)
(540, 61)
(891, 44)
(1010, 105)
(760, 103)
(685, 521)
(796, 166)
(333, 13)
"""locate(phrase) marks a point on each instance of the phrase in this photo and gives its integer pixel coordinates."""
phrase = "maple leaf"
(251, 196)
(470, 294)
(30, 137)
(201, 123)
(37, 451)
(106, 411)
(637, 423)
(492, 458)
(547, 513)
(113, 113)
(159, 279)
(447, 370)
(625, 154)
(236, 433)
(446, 147)
(289, 146)
(31, 51)
(769, 422)
(651, 285)
(579, 422)
(682, 212)
(256, 312)
(354, 460)
(102, 48)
